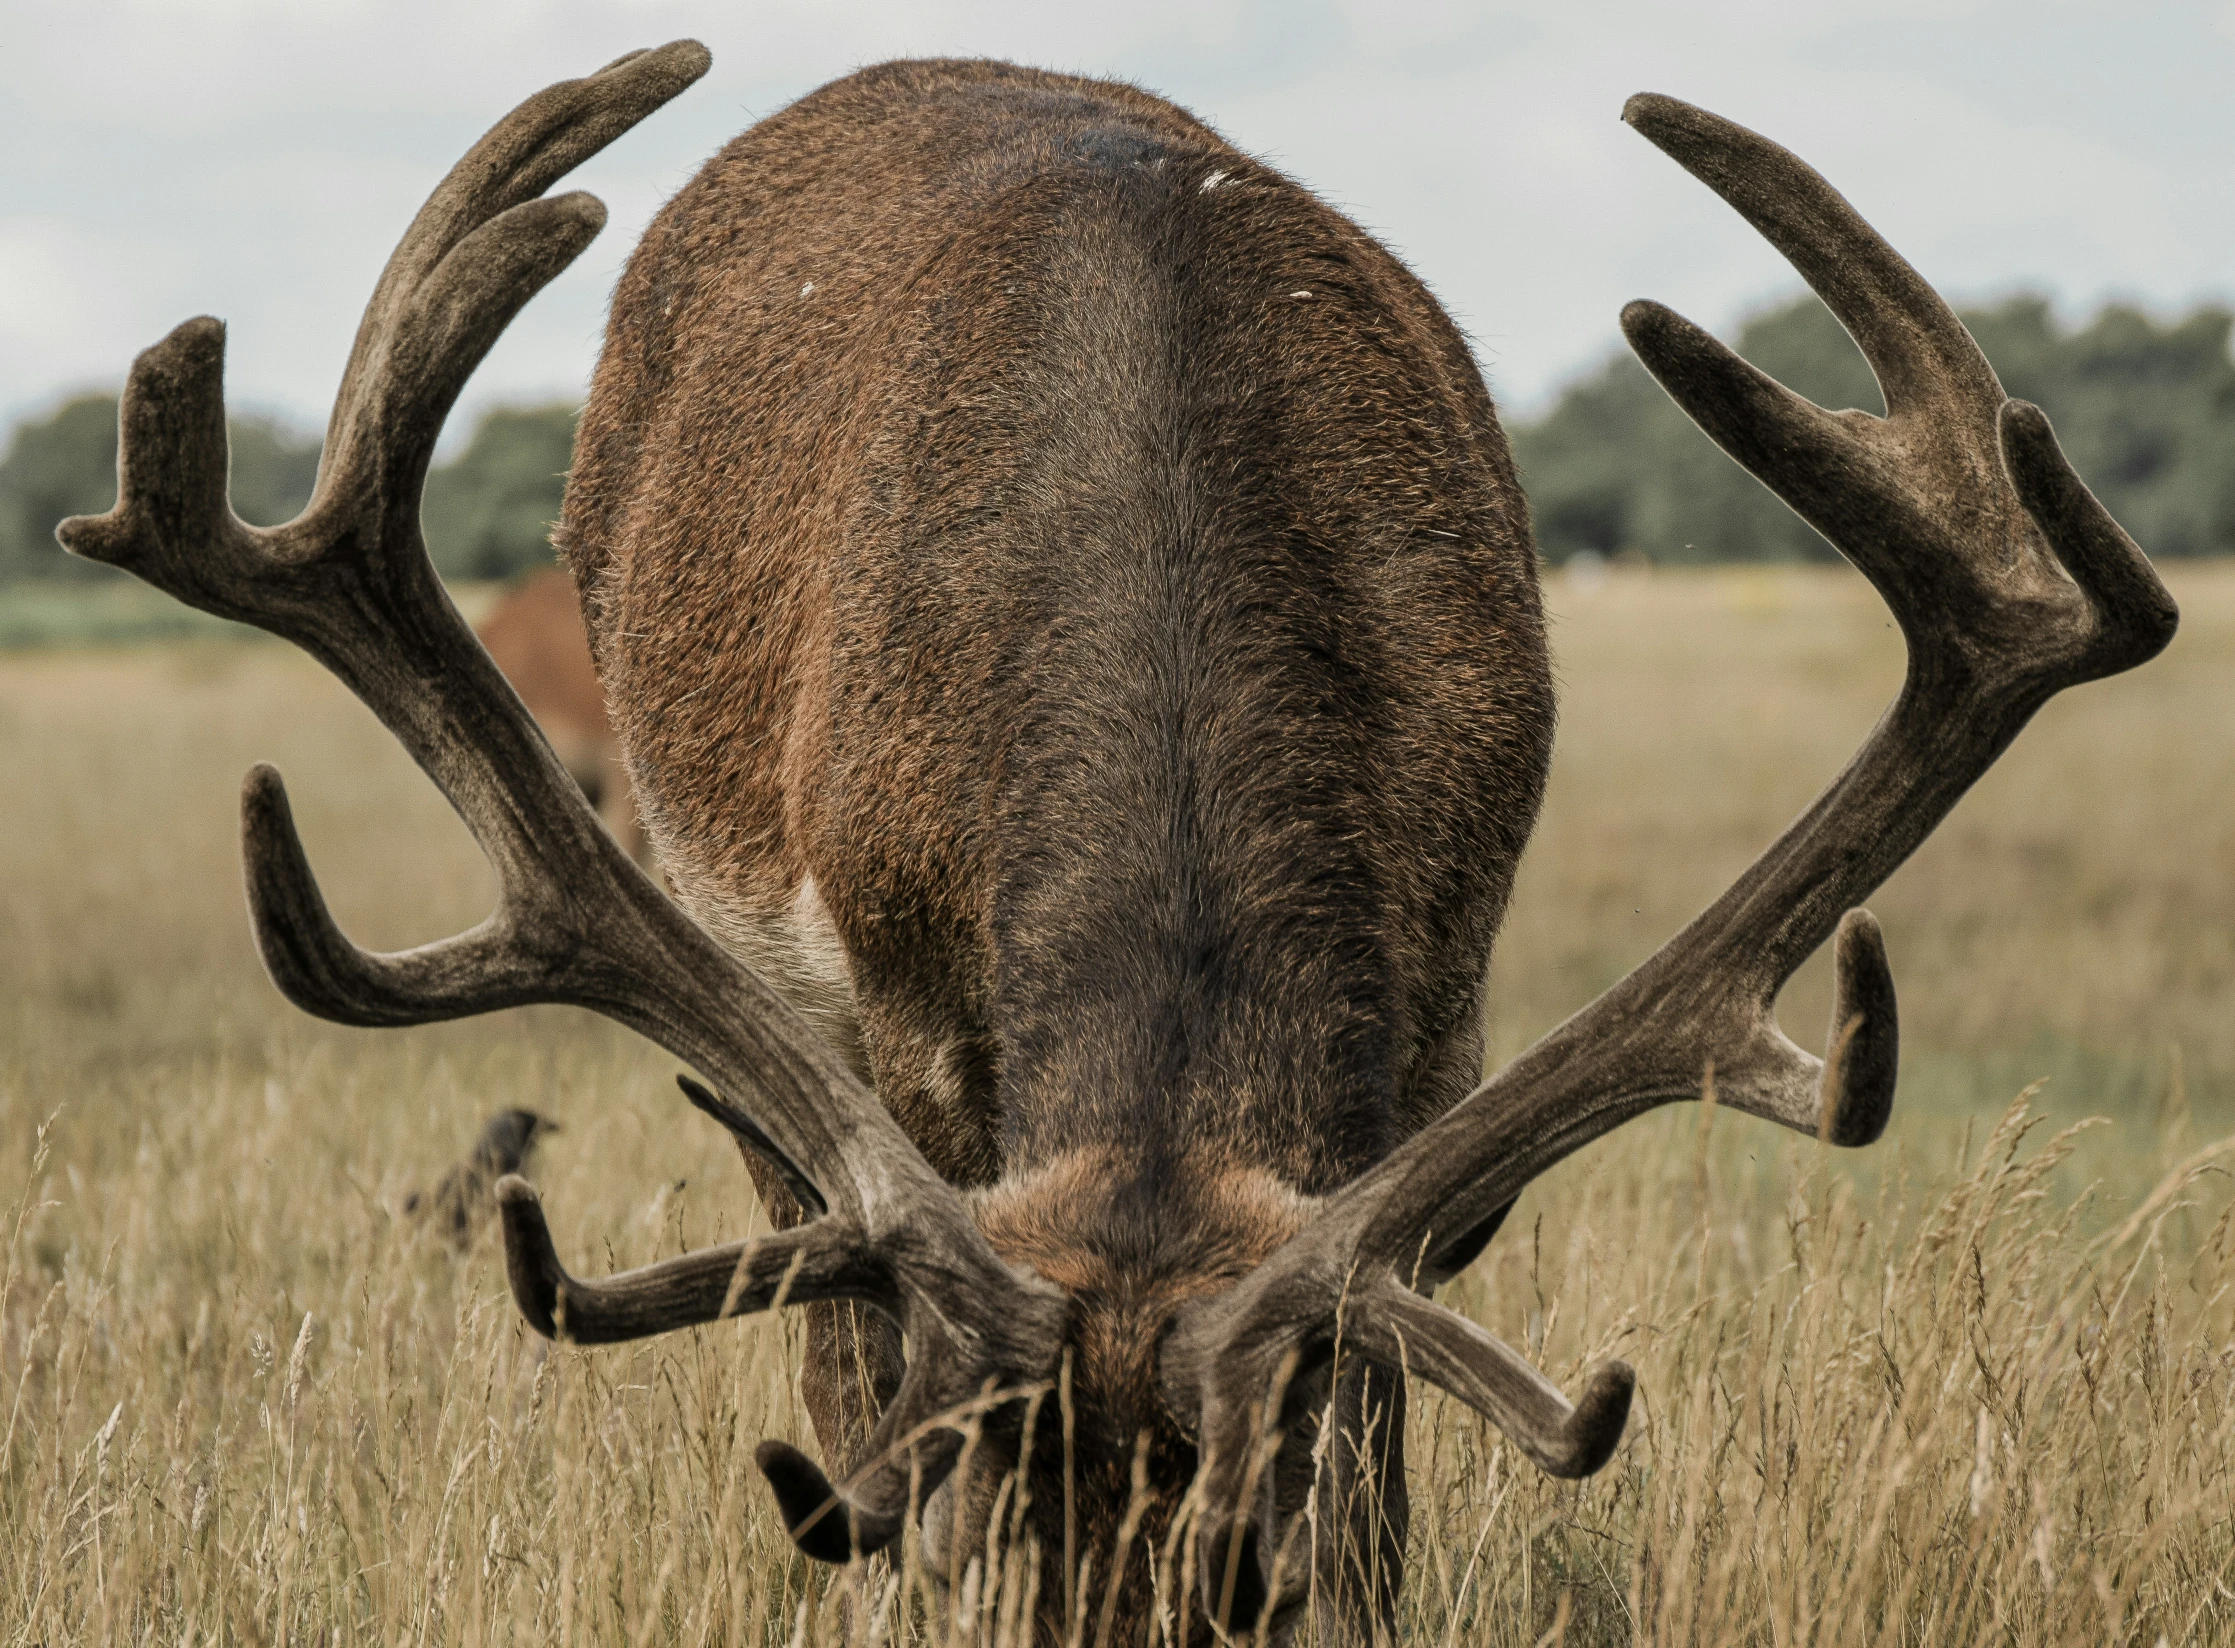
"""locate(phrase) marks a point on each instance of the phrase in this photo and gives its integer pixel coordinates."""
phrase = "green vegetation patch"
(77, 612)
(2146, 410)
(487, 512)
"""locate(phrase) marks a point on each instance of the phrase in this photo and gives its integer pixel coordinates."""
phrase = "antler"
(2010, 583)
(576, 920)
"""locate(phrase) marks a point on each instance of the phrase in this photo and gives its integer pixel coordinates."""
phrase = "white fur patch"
(820, 946)
(949, 1085)
(795, 950)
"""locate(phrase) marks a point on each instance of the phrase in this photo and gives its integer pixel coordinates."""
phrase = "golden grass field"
(1976, 1385)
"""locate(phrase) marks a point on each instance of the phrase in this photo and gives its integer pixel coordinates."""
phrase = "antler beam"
(576, 921)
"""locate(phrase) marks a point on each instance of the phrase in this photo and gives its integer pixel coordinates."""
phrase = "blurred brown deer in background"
(1065, 597)
(534, 631)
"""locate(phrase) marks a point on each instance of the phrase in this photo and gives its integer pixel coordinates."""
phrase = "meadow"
(1974, 1385)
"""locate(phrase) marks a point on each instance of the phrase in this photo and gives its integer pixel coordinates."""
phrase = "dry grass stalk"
(1944, 1394)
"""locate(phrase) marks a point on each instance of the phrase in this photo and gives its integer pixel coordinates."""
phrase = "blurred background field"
(1965, 1386)
(2073, 920)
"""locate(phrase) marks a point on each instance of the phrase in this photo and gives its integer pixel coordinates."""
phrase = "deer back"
(1067, 604)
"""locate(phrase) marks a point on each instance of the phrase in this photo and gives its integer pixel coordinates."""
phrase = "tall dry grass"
(1972, 1386)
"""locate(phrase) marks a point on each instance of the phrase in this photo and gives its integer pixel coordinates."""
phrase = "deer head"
(2008, 579)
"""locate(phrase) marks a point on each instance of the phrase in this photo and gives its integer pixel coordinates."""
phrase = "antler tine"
(2011, 583)
(824, 1260)
(751, 1141)
(317, 967)
(956, 1358)
(915, 1443)
(1920, 351)
(475, 253)
(2134, 613)
(1921, 501)
(910, 1452)
(1397, 1326)
(440, 302)
(1389, 1323)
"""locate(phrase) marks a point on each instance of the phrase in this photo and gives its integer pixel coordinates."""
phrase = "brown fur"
(1066, 602)
(536, 635)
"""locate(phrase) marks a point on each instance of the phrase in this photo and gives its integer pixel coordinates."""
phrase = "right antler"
(2010, 583)
(576, 921)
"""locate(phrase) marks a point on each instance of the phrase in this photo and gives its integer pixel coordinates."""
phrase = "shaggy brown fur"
(1072, 621)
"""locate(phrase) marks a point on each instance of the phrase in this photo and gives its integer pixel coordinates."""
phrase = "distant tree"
(2146, 411)
(488, 512)
(65, 464)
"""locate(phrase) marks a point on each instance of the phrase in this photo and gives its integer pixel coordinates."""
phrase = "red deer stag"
(1067, 602)
(535, 634)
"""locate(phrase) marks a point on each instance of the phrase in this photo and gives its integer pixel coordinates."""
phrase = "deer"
(534, 632)
(1074, 628)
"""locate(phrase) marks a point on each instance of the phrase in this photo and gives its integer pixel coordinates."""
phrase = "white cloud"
(257, 157)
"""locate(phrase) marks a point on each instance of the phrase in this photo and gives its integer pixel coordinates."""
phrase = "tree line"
(2146, 409)
(487, 512)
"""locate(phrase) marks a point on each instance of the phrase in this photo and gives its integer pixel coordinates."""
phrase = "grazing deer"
(1068, 605)
(535, 633)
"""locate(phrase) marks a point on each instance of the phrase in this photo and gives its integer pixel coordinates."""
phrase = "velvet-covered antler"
(576, 921)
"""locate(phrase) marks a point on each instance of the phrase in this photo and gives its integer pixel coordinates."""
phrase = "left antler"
(2010, 583)
(576, 920)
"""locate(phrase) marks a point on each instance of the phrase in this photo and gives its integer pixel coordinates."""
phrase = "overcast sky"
(257, 158)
